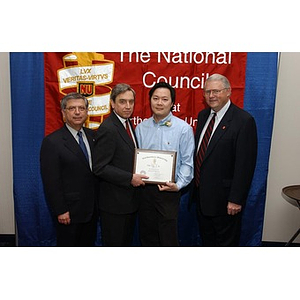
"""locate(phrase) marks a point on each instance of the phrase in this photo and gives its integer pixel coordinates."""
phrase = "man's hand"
(137, 180)
(233, 209)
(64, 218)
(168, 187)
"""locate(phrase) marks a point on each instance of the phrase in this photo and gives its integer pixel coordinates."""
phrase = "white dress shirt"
(219, 115)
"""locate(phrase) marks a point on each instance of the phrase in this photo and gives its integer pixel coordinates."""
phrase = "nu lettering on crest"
(86, 88)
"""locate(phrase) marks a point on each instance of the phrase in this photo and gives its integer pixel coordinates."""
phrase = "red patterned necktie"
(202, 149)
(130, 133)
(128, 129)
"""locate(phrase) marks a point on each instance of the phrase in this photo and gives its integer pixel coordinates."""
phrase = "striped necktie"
(202, 149)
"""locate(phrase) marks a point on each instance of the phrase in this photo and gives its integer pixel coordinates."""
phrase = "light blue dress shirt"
(177, 137)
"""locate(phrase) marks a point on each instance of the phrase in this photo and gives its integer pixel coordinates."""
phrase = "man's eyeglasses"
(73, 108)
(214, 92)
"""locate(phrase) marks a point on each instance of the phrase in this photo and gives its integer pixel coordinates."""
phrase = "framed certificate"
(158, 165)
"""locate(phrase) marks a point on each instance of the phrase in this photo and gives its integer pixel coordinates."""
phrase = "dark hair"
(73, 95)
(120, 88)
(163, 85)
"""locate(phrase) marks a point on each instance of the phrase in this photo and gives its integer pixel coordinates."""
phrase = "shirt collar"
(74, 131)
(122, 120)
(222, 111)
(163, 121)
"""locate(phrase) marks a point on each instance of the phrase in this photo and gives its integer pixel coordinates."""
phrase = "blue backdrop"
(34, 221)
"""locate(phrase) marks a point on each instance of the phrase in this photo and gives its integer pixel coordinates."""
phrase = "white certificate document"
(158, 165)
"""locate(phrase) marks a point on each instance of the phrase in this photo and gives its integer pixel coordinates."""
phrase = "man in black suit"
(69, 182)
(113, 165)
(224, 173)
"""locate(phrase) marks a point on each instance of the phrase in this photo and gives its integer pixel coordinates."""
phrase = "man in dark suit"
(224, 170)
(69, 182)
(113, 165)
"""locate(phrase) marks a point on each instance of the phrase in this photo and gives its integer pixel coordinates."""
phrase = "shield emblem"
(87, 89)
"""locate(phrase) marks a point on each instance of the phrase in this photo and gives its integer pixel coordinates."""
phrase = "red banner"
(94, 74)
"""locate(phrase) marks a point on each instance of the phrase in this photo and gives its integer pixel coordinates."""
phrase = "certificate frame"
(159, 165)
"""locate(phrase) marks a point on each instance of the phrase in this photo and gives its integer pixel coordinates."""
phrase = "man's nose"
(128, 104)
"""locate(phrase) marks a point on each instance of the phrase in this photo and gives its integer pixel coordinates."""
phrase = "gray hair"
(219, 77)
(121, 88)
(73, 95)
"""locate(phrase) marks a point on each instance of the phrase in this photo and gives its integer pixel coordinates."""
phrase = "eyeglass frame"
(73, 108)
(213, 91)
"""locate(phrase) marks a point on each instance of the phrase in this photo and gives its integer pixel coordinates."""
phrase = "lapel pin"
(224, 127)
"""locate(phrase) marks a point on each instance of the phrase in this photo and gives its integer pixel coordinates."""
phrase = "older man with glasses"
(225, 159)
(66, 168)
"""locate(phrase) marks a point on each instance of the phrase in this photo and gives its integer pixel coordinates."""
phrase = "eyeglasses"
(214, 92)
(73, 108)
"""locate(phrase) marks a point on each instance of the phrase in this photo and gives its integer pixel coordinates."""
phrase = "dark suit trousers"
(222, 231)
(158, 216)
(77, 235)
(117, 229)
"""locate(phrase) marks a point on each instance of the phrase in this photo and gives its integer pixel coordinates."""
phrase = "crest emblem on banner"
(90, 74)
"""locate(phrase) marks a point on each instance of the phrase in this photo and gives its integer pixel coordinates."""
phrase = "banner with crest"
(94, 74)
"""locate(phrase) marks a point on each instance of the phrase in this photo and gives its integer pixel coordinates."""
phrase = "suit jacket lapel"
(73, 146)
(133, 131)
(201, 122)
(122, 131)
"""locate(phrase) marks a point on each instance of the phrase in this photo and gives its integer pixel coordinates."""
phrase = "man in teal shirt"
(159, 208)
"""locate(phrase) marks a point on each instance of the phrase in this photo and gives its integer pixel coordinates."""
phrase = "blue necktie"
(82, 145)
